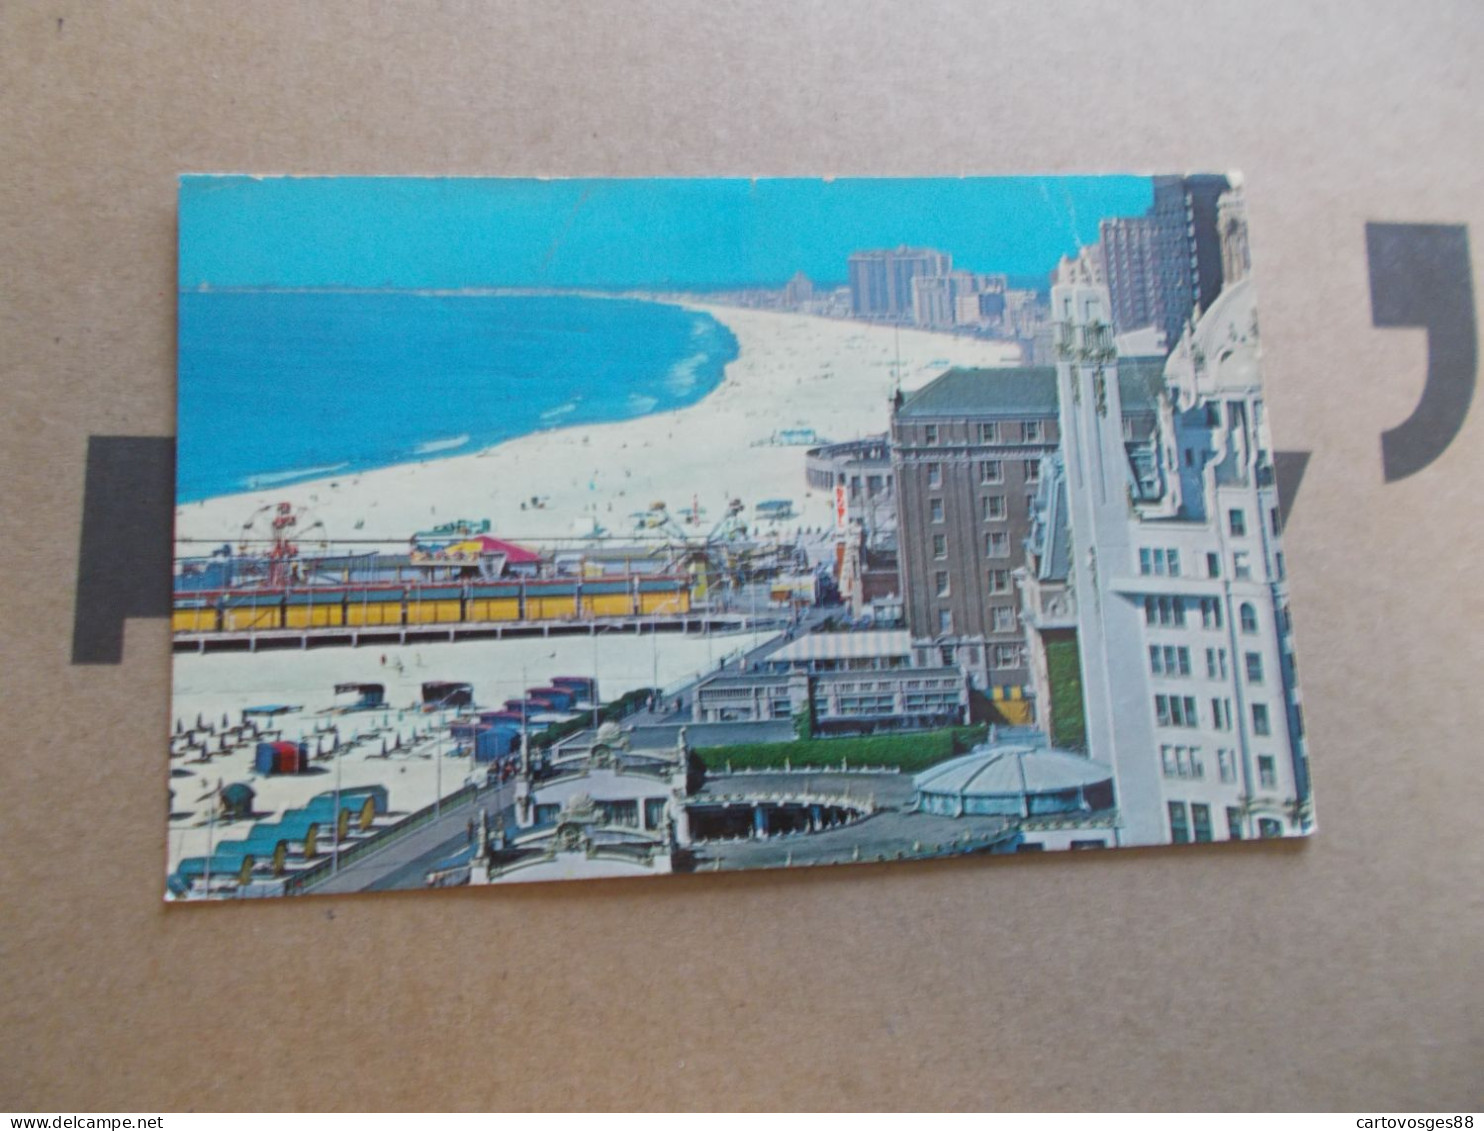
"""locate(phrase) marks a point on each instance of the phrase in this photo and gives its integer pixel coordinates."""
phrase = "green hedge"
(1064, 669)
(906, 752)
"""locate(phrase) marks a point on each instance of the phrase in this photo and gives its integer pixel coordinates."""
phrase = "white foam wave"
(683, 374)
(268, 479)
(640, 404)
(442, 445)
(560, 411)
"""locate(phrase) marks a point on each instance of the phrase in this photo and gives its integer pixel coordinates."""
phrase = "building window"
(997, 544)
(935, 474)
(929, 433)
(1169, 660)
(1179, 830)
(941, 580)
(991, 471)
(989, 433)
(1210, 612)
(1261, 725)
(1237, 522)
(1008, 656)
(1221, 713)
(1249, 618)
(1226, 765)
(1267, 771)
(1176, 711)
(1164, 611)
(1213, 414)
(1267, 828)
(1213, 565)
(999, 581)
(1276, 521)
(945, 655)
(940, 545)
(945, 620)
(1033, 471)
(1031, 432)
(1159, 562)
(935, 509)
(1233, 822)
(1278, 566)
(1182, 762)
(1215, 663)
(994, 507)
(1242, 565)
(1254, 667)
(1002, 618)
(1200, 821)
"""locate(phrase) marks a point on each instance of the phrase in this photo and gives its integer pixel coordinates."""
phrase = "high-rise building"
(967, 452)
(1164, 267)
(797, 291)
(881, 280)
(1173, 581)
(933, 301)
(1085, 267)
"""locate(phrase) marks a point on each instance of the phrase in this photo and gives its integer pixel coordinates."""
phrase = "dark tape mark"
(1289, 468)
(1420, 277)
(123, 567)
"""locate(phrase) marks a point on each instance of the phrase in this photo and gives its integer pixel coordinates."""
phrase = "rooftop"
(1024, 391)
(844, 646)
(1009, 770)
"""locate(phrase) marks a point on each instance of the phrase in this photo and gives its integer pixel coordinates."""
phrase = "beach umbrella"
(226, 722)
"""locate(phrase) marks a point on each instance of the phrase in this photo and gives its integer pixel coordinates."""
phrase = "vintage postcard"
(556, 529)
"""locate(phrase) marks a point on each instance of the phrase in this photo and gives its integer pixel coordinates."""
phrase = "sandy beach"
(219, 683)
(793, 371)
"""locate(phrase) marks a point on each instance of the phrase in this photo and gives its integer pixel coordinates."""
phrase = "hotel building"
(966, 454)
(1174, 582)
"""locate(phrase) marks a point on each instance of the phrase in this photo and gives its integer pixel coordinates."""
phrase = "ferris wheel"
(275, 534)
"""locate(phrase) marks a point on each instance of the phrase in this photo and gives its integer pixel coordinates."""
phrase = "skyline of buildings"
(1161, 269)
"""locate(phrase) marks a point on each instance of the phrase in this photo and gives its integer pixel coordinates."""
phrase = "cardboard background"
(1344, 972)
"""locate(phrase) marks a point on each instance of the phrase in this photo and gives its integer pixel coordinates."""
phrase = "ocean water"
(280, 386)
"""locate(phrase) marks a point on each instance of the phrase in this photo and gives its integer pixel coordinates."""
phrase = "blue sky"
(680, 234)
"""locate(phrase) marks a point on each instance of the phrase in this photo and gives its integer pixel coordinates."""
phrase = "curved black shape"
(1420, 276)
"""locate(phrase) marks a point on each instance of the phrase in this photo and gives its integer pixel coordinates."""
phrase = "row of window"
(1196, 824)
(998, 655)
(1186, 762)
(1170, 612)
(991, 471)
(992, 508)
(995, 432)
(1156, 561)
(1174, 661)
(1181, 711)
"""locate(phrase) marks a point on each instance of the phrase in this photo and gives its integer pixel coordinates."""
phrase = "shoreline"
(791, 370)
